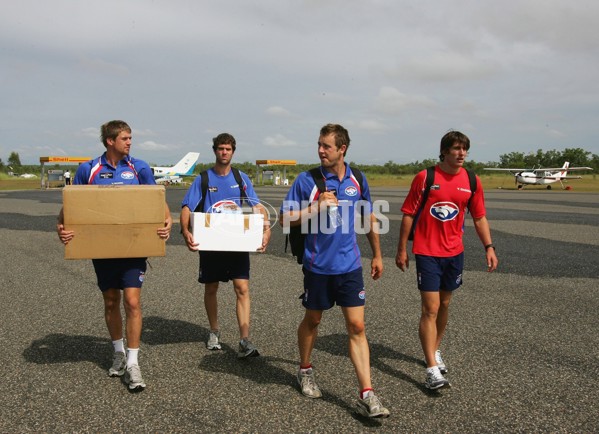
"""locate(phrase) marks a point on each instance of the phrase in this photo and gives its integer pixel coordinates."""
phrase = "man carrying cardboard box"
(117, 167)
(222, 192)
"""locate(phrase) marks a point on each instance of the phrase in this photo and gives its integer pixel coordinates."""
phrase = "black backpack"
(430, 178)
(204, 185)
(296, 239)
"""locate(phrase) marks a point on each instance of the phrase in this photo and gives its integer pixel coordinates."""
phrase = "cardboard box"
(227, 232)
(114, 221)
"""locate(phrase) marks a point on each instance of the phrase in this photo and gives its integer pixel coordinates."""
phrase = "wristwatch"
(489, 246)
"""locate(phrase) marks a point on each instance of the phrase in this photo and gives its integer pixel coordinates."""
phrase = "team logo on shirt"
(351, 191)
(444, 211)
(106, 175)
(127, 175)
(225, 206)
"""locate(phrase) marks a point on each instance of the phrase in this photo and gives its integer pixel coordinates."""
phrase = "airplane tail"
(187, 164)
(564, 171)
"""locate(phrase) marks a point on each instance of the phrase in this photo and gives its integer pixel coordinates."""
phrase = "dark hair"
(223, 139)
(341, 135)
(112, 129)
(449, 139)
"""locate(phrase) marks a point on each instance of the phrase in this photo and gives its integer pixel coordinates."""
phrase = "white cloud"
(278, 111)
(391, 101)
(179, 69)
(149, 145)
(278, 141)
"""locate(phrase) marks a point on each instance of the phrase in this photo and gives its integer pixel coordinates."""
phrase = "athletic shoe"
(308, 384)
(440, 362)
(133, 378)
(213, 341)
(247, 349)
(119, 361)
(435, 380)
(371, 407)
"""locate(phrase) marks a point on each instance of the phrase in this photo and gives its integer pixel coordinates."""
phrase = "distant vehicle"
(174, 175)
(28, 175)
(541, 176)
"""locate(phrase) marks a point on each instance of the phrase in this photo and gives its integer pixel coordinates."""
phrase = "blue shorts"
(224, 266)
(435, 273)
(120, 273)
(323, 291)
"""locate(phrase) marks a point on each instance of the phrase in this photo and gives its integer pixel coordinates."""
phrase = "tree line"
(518, 160)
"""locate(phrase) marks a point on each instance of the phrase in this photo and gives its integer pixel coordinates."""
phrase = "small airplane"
(175, 174)
(541, 176)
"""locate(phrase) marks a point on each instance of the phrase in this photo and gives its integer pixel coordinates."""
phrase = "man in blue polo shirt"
(116, 167)
(331, 262)
(224, 186)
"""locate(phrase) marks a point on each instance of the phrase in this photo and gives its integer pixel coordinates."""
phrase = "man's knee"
(356, 327)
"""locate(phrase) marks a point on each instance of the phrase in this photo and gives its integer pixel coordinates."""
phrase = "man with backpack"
(222, 189)
(433, 214)
(331, 201)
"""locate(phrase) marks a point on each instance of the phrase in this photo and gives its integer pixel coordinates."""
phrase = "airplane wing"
(512, 171)
(576, 168)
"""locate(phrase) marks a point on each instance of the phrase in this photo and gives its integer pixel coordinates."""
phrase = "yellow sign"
(64, 159)
(277, 162)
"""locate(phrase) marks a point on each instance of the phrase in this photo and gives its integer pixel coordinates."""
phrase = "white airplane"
(174, 175)
(541, 176)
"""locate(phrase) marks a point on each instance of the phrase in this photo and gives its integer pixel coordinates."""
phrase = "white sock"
(118, 346)
(132, 356)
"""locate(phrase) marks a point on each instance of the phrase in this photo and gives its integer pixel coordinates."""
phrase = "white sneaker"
(435, 380)
(213, 341)
(133, 378)
(440, 362)
(119, 361)
(308, 384)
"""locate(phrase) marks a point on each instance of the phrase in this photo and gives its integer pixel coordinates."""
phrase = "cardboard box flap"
(246, 222)
(113, 204)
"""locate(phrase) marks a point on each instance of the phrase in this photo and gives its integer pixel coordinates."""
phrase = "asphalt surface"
(521, 347)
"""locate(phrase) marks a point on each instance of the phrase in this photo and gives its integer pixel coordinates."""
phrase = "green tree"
(576, 156)
(513, 159)
(14, 160)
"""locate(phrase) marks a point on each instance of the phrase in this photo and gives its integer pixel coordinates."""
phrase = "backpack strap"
(472, 179)
(204, 188)
(242, 193)
(318, 179)
(430, 178)
(360, 178)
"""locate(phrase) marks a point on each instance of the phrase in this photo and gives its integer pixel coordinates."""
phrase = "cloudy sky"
(514, 75)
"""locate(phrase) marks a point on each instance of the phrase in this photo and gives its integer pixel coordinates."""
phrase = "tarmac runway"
(522, 343)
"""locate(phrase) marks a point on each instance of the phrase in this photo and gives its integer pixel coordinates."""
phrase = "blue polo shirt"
(223, 195)
(331, 250)
(129, 171)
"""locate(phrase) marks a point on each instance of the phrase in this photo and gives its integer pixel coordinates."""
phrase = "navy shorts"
(323, 291)
(224, 266)
(435, 273)
(120, 273)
